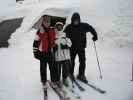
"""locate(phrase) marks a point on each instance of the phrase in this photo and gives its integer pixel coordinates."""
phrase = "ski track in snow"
(19, 74)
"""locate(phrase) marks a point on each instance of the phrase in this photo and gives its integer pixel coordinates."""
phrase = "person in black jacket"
(76, 31)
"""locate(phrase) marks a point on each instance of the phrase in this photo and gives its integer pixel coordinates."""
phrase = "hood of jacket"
(75, 16)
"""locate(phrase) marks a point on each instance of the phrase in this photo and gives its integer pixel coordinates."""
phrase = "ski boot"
(44, 85)
(65, 82)
(82, 78)
(58, 83)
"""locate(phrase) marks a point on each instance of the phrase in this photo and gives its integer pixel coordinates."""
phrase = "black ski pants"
(63, 66)
(47, 59)
(82, 59)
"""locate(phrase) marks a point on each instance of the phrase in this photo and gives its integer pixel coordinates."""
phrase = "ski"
(58, 91)
(45, 94)
(95, 87)
(78, 85)
(73, 93)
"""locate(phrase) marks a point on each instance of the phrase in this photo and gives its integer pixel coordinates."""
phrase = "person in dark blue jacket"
(76, 31)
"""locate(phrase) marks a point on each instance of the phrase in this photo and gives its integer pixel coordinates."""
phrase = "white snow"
(20, 76)
(4, 4)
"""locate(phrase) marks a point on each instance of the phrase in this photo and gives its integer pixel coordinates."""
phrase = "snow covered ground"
(19, 74)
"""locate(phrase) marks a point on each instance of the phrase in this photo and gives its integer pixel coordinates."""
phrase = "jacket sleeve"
(52, 37)
(69, 43)
(63, 42)
(90, 29)
(36, 41)
(36, 52)
(66, 44)
(67, 30)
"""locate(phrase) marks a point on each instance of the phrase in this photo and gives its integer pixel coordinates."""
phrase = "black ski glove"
(94, 38)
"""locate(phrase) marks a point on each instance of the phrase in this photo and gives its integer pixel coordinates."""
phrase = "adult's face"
(46, 22)
(76, 22)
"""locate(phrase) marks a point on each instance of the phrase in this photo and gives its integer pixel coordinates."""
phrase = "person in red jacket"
(43, 50)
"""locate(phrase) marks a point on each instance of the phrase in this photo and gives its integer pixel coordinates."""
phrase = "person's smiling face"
(46, 21)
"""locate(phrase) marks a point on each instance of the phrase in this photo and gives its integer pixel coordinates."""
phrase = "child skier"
(42, 48)
(62, 53)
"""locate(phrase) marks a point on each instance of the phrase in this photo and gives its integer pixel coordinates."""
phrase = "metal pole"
(132, 71)
(98, 61)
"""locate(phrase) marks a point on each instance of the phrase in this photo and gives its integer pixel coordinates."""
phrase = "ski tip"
(82, 89)
(101, 77)
(68, 98)
(79, 97)
(103, 92)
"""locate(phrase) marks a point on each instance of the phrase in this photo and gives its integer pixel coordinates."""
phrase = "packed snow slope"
(20, 76)
(113, 19)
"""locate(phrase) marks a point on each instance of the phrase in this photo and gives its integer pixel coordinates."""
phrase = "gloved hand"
(58, 42)
(69, 43)
(63, 41)
(94, 38)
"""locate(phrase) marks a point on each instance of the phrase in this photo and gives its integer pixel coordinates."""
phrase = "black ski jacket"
(77, 33)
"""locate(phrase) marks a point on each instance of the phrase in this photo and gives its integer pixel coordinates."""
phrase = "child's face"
(59, 27)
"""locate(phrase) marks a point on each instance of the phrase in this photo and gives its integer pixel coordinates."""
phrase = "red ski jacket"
(46, 39)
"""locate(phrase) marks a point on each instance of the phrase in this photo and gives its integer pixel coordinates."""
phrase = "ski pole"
(132, 71)
(98, 61)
